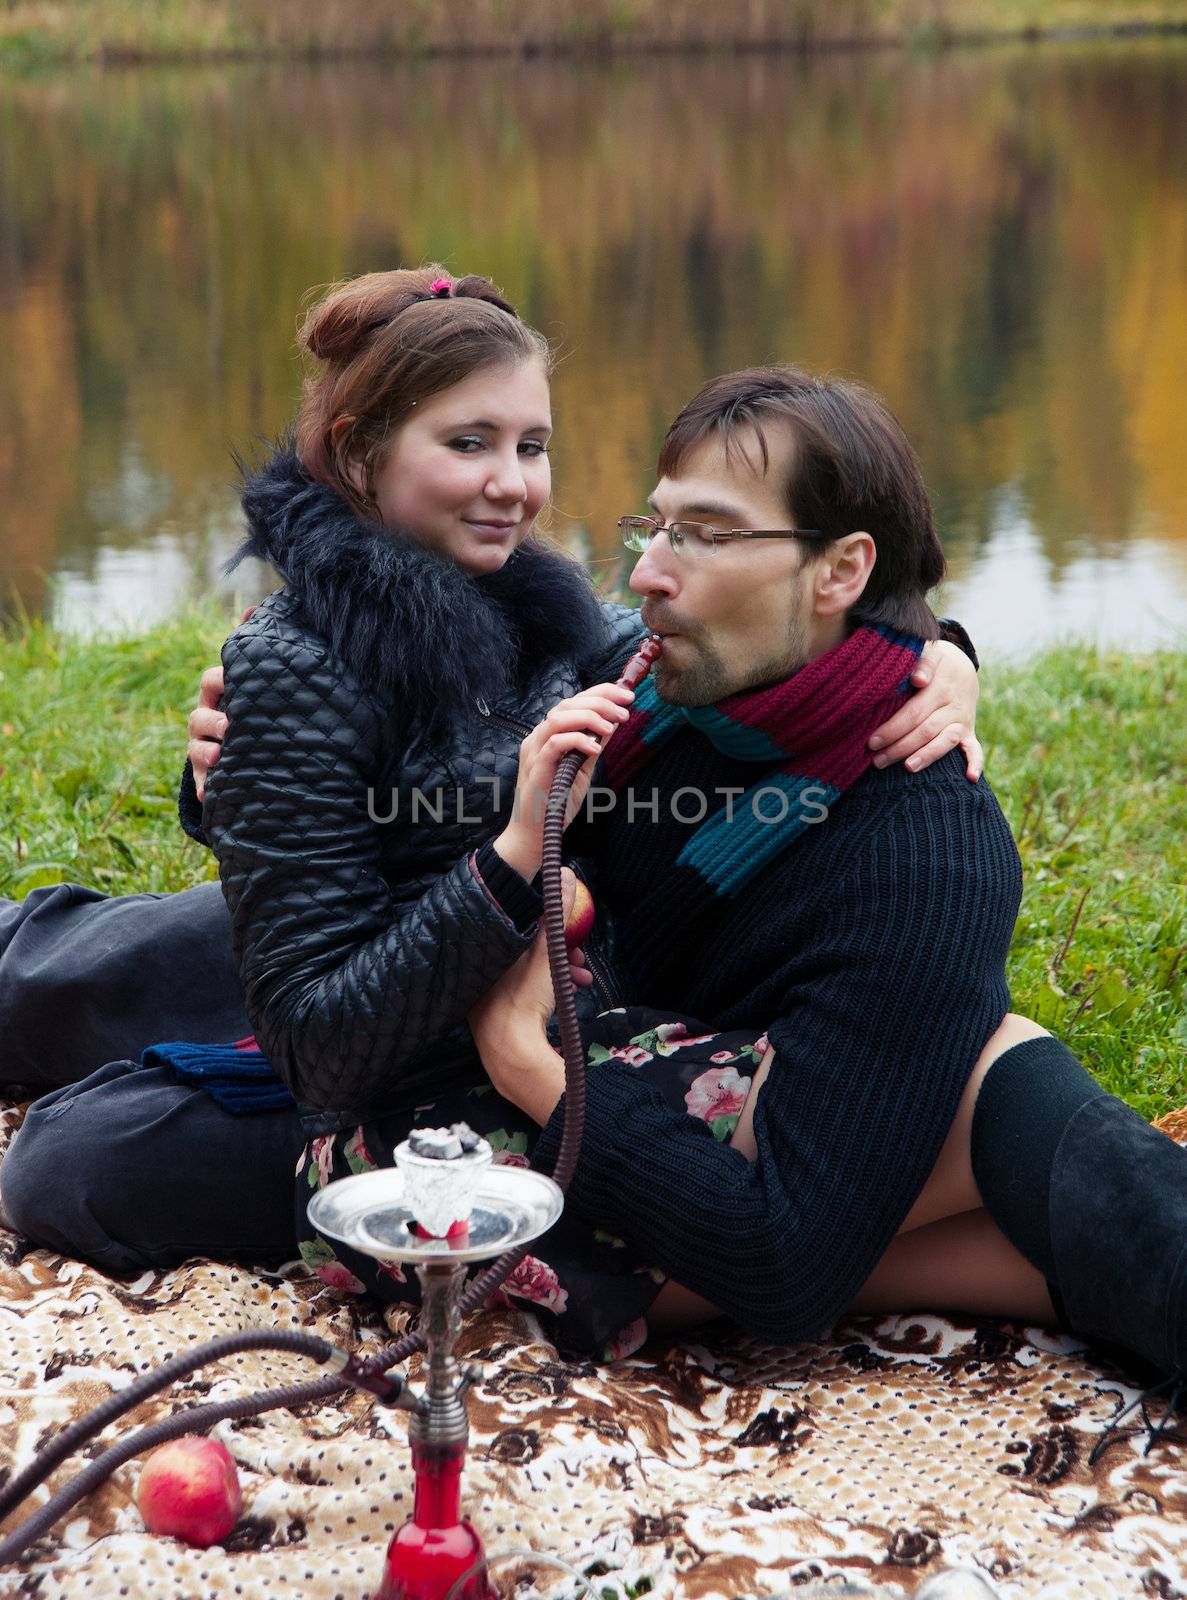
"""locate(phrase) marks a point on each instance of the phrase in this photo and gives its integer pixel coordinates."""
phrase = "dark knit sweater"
(872, 950)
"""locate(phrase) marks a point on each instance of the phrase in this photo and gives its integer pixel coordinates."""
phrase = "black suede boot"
(1096, 1198)
(1118, 1219)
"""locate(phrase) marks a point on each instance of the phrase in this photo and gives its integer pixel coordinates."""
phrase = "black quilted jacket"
(376, 706)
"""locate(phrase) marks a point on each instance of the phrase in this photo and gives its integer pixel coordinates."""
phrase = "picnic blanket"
(716, 1466)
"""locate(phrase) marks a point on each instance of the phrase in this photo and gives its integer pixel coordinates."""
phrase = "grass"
(1085, 750)
(92, 737)
(1087, 754)
(39, 33)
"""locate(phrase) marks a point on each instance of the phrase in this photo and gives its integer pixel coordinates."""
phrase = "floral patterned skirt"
(591, 1288)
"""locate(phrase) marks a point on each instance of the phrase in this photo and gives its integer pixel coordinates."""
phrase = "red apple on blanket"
(581, 917)
(190, 1490)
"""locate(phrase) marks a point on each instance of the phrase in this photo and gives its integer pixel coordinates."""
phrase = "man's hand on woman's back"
(207, 724)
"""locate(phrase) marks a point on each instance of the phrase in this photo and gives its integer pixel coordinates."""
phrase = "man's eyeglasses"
(638, 532)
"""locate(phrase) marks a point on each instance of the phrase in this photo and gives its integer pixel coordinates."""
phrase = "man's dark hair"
(853, 470)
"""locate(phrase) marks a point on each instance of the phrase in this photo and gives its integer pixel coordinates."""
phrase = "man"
(871, 943)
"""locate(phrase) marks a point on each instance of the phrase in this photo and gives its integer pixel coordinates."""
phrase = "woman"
(422, 633)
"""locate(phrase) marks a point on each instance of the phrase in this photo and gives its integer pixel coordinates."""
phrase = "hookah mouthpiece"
(442, 1170)
(641, 662)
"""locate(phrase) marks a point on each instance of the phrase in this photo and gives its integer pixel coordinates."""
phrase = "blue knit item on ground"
(240, 1080)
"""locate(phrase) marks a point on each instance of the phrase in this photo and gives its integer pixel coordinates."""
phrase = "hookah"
(442, 1208)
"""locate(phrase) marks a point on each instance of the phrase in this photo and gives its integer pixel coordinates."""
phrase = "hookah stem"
(479, 1291)
(573, 1051)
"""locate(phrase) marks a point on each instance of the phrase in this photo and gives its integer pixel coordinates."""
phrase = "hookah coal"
(390, 1214)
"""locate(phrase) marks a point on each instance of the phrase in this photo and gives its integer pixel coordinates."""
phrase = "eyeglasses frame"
(719, 534)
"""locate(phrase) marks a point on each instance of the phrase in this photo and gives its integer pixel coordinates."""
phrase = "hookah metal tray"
(368, 1212)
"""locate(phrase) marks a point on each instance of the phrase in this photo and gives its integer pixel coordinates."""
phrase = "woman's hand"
(508, 1025)
(942, 715)
(207, 725)
(582, 723)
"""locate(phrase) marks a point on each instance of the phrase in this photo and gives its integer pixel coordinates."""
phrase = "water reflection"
(996, 240)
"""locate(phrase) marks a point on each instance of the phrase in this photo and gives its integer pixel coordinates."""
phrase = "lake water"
(995, 239)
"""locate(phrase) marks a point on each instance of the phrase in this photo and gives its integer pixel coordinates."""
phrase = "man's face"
(741, 614)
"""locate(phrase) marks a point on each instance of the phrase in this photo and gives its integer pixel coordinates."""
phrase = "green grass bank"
(1085, 751)
(44, 32)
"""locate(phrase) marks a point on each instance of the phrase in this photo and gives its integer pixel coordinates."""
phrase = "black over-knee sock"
(1025, 1102)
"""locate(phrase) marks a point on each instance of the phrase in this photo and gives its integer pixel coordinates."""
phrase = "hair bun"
(333, 331)
(344, 318)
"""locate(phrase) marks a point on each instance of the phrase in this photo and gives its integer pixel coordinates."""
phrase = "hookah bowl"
(443, 1208)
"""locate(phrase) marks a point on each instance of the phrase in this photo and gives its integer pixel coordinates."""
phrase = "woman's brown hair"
(389, 343)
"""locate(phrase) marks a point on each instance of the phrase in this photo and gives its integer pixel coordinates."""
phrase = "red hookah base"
(425, 1563)
(436, 1547)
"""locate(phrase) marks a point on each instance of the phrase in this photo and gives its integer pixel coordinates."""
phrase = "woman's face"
(468, 472)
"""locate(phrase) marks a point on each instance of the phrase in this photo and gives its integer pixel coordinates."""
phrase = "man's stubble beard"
(703, 682)
(708, 678)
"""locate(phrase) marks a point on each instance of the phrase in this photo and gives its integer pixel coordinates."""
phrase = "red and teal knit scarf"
(809, 733)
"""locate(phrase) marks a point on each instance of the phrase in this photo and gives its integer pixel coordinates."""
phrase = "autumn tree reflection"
(996, 240)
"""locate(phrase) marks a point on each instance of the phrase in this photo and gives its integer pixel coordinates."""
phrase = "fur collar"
(409, 623)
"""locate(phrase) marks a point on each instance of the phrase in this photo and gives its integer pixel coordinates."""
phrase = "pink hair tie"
(441, 287)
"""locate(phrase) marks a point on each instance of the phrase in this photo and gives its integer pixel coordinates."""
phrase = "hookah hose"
(370, 1373)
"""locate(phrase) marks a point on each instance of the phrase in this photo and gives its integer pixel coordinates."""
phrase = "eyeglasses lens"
(638, 532)
(697, 537)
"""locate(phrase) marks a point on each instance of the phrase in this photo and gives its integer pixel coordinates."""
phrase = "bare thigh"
(949, 1192)
(961, 1263)
(950, 1188)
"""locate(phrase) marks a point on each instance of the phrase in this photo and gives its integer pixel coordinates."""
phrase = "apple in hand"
(581, 917)
(189, 1489)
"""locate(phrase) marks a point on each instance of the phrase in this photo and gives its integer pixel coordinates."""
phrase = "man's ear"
(352, 464)
(843, 573)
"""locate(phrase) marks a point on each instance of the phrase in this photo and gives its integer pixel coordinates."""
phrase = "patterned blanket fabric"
(714, 1467)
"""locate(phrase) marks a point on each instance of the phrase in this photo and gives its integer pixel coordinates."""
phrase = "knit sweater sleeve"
(189, 807)
(896, 981)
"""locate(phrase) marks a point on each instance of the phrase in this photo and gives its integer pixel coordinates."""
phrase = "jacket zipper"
(602, 982)
(521, 727)
(500, 721)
